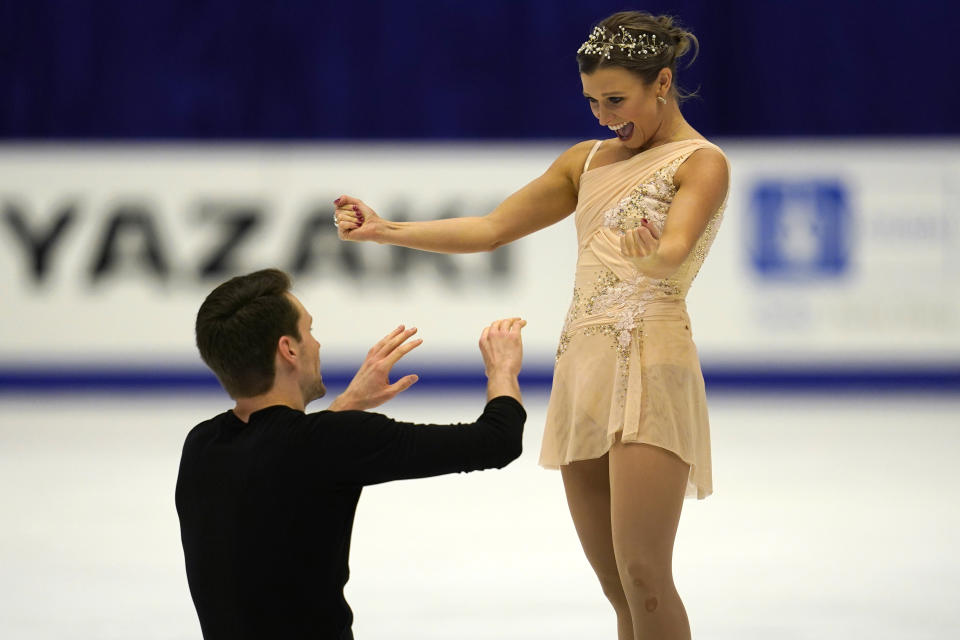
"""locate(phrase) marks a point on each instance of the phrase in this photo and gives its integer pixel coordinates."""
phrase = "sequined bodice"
(650, 199)
(610, 294)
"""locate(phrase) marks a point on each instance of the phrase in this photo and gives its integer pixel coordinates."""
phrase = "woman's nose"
(603, 115)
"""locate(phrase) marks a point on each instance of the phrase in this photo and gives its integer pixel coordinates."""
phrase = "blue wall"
(178, 69)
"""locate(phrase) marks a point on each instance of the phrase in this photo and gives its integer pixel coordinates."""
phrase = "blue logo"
(800, 229)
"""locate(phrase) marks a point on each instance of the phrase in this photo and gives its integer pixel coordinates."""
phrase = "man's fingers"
(401, 351)
(506, 322)
(403, 383)
(513, 325)
(387, 349)
(397, 340)
(502, 326)
(378, 348)
(382, 341)
(516, 326)
(391, 340)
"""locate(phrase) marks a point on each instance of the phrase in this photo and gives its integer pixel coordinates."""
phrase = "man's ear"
(287, 349)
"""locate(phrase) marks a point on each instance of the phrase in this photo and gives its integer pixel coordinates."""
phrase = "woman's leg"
(587, 484)
(647, 486)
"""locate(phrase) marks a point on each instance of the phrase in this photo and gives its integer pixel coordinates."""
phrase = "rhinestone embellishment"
(642, 45)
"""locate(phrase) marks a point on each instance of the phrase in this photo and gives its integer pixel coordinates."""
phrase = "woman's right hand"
(355, 220)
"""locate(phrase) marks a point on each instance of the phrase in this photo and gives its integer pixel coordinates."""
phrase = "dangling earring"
(661, 100)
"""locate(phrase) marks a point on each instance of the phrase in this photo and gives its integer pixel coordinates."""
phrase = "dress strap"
(586, 165)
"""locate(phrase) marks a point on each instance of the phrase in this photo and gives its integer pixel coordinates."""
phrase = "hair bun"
(681, 38)
(605, 50)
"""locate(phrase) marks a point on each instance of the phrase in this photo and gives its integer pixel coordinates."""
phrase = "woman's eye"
(615, 100)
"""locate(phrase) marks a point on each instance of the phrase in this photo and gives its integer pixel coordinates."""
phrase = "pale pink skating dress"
(626, 366)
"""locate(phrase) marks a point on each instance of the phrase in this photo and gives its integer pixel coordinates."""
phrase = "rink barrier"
(107, 252)
(37, 380)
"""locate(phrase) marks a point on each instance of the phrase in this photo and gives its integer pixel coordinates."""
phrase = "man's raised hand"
(371, 386)
(502, 350)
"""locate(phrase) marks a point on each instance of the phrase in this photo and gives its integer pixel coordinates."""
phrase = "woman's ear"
(664, 82)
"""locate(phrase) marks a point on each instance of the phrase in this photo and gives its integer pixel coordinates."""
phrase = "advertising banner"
(831, 255)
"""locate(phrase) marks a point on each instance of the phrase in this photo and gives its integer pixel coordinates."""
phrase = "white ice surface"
(833, 517)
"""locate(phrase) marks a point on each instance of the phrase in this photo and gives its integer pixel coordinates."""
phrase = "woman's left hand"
(640, 242)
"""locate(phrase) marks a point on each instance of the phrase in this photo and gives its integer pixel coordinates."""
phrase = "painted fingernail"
(337, 201)
(645, 220)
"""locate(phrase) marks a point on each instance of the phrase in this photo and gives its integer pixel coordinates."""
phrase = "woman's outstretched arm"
(542, 202)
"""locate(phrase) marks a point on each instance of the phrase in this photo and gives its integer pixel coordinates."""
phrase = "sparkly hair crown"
(642, 45)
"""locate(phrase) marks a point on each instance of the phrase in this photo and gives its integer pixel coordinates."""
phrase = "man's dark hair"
(239, 325)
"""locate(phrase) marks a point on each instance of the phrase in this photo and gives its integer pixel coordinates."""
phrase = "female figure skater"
(627, 419)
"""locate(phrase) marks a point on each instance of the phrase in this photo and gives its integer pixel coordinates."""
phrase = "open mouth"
(623, 130)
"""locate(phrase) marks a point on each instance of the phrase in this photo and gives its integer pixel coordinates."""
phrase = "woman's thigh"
(587, 485)
(647, 487)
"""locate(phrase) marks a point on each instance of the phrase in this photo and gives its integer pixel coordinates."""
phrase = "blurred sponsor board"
(831, 255)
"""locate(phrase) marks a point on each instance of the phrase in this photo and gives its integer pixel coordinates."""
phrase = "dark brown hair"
(665, 28)
(239, 325)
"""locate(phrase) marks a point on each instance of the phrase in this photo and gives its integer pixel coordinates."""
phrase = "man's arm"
(374, 448)
(370, 448)
(500, 345)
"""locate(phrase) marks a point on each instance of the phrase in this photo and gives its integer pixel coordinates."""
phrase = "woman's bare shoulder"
(705, 174)
(570, 163)
(576, 155)
(706, 163)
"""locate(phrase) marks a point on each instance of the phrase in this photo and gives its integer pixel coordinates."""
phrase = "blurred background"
(151, 150)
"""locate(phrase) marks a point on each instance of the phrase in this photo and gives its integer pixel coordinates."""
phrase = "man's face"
(311, 380)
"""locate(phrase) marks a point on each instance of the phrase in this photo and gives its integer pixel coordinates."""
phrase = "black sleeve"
(369, 448)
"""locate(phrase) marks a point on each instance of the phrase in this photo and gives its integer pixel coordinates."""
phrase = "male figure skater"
(267, 493)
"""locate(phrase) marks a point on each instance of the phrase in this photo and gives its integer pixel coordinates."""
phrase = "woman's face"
(624, 104)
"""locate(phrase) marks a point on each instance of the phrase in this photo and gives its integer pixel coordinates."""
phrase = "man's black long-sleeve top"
(266, 507)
